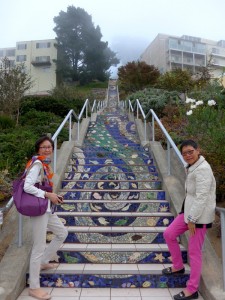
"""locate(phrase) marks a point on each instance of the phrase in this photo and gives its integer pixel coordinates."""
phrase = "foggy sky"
(128, 25)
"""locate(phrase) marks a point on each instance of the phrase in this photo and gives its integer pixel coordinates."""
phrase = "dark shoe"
(181, 296)
(169, 271)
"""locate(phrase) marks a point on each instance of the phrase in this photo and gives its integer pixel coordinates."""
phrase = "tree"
(176, 80)
(81, 53)
(204, 75)
(137, 75)
(14, 82)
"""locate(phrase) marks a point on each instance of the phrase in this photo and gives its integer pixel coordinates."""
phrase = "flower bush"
(206, 124)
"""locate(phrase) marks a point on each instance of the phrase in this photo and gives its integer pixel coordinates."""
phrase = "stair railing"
(170, 142)
(222, 225)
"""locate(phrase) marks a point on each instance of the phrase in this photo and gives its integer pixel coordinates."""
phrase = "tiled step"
(115, 205)
(107, 148)
(80, 173)
(85, 161)
(95, 167)
(116, 253)
(153, 207)
(110, 154)
(123, 194)
(111, 275)
(111, 184)
(113, 219)
(114, 234)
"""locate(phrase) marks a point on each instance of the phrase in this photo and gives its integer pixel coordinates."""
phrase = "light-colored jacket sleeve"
(34, 176)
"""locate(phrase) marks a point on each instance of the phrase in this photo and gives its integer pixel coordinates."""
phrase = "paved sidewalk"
(107, 294)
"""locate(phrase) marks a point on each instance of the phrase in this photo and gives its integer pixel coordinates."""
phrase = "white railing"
(97, 105)
(170, 142)
(222, 225)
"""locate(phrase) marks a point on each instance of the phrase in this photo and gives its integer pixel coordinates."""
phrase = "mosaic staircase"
(115, 210)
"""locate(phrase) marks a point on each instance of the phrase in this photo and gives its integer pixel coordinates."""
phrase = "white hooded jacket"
(200, 200)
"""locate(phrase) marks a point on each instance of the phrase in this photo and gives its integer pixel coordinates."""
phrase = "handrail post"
(78, 130)
(55, 155)
(145, 128)
(70, 128)
(168, 157)
(153, 128)
(86, 110)
(222, 217)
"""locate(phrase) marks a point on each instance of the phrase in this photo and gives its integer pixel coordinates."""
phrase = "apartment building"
(167, 52)
(38, 58)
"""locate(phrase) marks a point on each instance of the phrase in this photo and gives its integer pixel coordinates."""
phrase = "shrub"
(6, 122)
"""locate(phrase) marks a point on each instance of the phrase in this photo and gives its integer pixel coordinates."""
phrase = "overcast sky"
(128, 25)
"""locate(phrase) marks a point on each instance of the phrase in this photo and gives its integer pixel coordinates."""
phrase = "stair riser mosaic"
(113, 195)
(115, 221)
(94, 281)
(112, 206)
(155, 257)
(116, 184)
(115, 237)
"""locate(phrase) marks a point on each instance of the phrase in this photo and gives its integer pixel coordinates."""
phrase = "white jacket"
(200, 186)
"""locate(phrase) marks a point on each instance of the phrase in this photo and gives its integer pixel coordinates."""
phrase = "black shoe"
(181, 296)
(169, 271)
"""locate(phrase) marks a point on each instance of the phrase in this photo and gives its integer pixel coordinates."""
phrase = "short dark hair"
(41, 140)
(188, 143)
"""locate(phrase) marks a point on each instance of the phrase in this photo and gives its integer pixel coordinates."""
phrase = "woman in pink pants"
(197, 214)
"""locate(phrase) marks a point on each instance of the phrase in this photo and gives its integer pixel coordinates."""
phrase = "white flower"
(199, 102)
(211, 102)
(193, 106)
(188, 113)
(189, 100)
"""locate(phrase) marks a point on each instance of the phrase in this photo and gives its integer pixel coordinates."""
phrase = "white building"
(38, 58)
(167, 52)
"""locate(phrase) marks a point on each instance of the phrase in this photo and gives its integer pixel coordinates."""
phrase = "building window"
(21, 46)
(21, 58)
(12, 63)
(42, 58)
(215, 50)
(43, 45)
(10, 52)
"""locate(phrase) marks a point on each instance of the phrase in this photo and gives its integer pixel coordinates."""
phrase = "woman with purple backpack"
(38, 170)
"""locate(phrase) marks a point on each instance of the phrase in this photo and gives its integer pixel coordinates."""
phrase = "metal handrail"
(170, 142)
(222, 218)
(55, 136)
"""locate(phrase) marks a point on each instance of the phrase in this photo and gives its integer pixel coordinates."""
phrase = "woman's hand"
(191, 227)
(54, 198)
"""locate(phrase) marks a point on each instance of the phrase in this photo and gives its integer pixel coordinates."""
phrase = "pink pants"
(195, 243)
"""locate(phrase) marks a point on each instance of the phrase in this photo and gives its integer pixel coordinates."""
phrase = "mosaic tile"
(93, 281)
(113, 173)
(107, 257)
